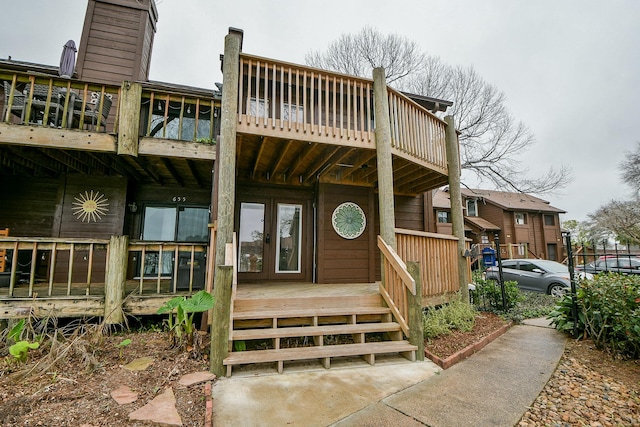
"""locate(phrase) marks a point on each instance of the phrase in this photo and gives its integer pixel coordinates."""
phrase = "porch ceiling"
(50, 162)
(296, 162)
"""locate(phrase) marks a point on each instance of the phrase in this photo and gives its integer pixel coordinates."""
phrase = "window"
(549, 220)
(444, 216)
(527, 266)
(175, 223)
(472, 207)
(552, 251)
(521, 218)
(292, 112)
(484, 239)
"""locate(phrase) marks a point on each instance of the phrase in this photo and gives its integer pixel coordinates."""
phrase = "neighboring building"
(527, 226)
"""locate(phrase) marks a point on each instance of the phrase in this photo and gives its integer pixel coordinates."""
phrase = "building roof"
(511, 201)
(481, 223)
(431, 104)
(440, 199)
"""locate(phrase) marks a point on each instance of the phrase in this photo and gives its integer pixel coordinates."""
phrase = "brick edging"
(208, 415)
(467, 351)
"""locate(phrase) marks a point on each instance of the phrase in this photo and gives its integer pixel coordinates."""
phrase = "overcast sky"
(570, 69)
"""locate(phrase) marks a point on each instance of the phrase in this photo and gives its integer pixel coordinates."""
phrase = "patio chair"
(39, 103)
(17, 107)
(93, 112)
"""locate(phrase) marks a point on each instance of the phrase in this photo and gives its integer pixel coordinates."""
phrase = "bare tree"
(491, 140)
(620, 219)
(631, 170)
(357, 54)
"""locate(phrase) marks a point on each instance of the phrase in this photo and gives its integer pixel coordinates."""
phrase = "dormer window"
(472, 207)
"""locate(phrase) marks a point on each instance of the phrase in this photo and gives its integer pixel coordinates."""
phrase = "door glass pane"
(192, 224)
(159, 224)
(289, 238)
(250, 243)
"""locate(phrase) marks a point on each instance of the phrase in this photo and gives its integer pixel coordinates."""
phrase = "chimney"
(117, 40)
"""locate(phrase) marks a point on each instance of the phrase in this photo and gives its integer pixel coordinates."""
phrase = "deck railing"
(438, 258)
(283, 99)
(293, 101)
(42, 267)
(416, 133)
(167, 265)
(395, 284)
(179, 115)
(53, 266)
(44, 100)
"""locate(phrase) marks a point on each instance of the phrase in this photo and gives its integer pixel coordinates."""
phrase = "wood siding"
(342, 260)
(409, 212)
(28, 205)
(116, 41)
(80, 187)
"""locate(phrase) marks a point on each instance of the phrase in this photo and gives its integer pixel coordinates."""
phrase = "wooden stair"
(340, 325)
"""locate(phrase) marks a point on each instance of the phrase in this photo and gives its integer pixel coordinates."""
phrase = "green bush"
(456, 314)
(608, 309)
(488, 295)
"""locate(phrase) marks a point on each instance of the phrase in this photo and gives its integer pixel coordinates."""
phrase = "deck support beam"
(455, 196)
(226, 201)
(129, 120)
(385, 161)
(416, 327)
(115, 280)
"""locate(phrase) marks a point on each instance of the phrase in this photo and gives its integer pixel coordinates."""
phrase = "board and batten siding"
(345, 260)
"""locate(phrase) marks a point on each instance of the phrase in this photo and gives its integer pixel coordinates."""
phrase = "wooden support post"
(384, 159)
(129, 118)
(226, 165)
(416, 327)
(114, 286)
(220, 326)
(455, 197)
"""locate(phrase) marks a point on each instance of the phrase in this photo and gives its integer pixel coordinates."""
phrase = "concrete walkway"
(492, 388)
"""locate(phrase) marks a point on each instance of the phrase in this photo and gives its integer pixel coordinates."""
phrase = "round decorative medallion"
(348, 220)
(90, 206)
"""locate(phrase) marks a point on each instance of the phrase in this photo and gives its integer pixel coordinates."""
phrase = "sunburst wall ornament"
(348, 220)
(90, 206)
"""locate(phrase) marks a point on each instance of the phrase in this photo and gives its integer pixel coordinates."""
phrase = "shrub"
(441, 320)
(608, 312)
(489, 292)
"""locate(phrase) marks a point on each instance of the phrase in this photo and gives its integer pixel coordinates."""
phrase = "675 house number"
(179, 199)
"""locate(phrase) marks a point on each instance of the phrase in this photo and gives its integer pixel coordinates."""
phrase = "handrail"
(396, 282)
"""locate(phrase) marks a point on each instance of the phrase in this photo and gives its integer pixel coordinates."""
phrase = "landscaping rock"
(161, 410)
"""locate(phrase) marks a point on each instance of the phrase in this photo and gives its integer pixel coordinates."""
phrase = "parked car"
(622, 264)
(537, 275)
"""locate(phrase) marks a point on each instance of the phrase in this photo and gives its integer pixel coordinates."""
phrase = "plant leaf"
(170, 305)
(16, 331)
(200, 301)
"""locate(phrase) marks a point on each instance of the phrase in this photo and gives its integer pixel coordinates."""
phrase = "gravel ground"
(577, 395)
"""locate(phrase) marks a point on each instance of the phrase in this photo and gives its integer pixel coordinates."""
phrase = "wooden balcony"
(52, 125)
(299, 125)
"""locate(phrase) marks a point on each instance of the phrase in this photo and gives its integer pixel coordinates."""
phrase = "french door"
(271, 241)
